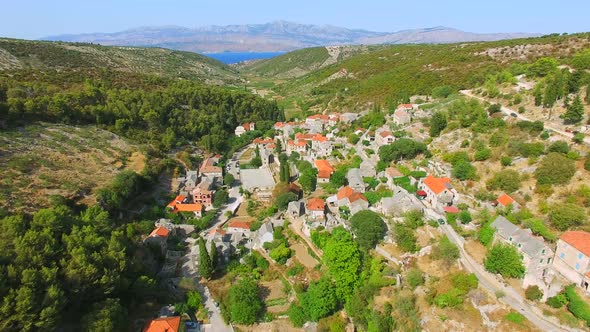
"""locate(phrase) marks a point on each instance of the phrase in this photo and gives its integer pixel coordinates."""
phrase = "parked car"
(514, 115)
(441, 221)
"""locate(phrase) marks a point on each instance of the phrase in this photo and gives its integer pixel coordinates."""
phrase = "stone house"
(572, 258)
(402, 117)
(316, 208)
(240, 130)
(437, 191)
(325, 170)
(355, 180)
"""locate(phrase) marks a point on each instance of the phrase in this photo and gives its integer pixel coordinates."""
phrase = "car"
(441, 221)
(514, 115)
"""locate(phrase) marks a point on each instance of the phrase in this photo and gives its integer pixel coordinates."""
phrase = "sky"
(32, 19)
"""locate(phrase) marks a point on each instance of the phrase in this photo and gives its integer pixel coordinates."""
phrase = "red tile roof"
(356, 196)
(160, 231)
(319, 138)
(246, 126)
(217, 231)
(318, 117)
(579, 240)
(239, 224)
(325, 170)
(451, 209)
(405, 106)
(306, 137)
(385, 133)
(437, 185)
(344, 192)
(188, 207)
(163, 324)
(505, 200)
(315, 204)
(179, 199)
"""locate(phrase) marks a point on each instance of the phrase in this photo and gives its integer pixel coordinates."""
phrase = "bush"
(555, 168)
(515, 317)
(403, 148)
(486, 234)
(533, 293)
(506, 161)
(280, 254)
(507, 180)
(538, 227)
(557, 301)
(504, 259)
(464, 170)
(414, 277)
(577, 306)
(559, 147)
(244, 302)
(368, 228)
(564, 216)
(405, 238)
(587, 163)
(482, 154)
(297, 315)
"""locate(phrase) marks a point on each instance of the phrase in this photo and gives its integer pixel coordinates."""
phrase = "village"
(327, 171)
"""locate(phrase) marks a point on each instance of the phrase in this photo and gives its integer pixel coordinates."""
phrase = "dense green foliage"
(504, 259)
(577, 306)
(205, 264)
(245, 304)
(555, 168)
(403, 148)
(564, 216)
(557, 301)
(438, 123)
(446, 251)
(343, 258)
(368, 228)
(507, 180)
(462, 284)
(320, 299)
(533, 293)
(405, 238)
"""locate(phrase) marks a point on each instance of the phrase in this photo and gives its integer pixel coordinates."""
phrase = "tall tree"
(205, 266)
(575, 111)
(438, 123)
(244, 302)
(278, 147)
(343, 258)
(214, 255)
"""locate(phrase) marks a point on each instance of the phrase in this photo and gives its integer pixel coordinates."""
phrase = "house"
(196, 208)
(296, 209)
(348, 117)
(392, 173)
(368, 168)
(384, 137)
(203, 193)
(263, 235)
(321, 146)
(535, 254)
(221, 240)
(299, 146)
(505, 201)
(190, 181)
(325, 170)
(163, 324)
(354, 201)
(333, 119)
(262, 143)
(239, 226)
(180, 199)
(572, 258)
(315, 208)
(209, 169)
(438, 191)
(359, 132)
(240, 130)
(159, 237)
(355, 180)
(400, 203)
(405, 107)
(401, 116)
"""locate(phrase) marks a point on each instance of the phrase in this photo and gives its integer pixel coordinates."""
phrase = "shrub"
(486, 234)
(557, 301)
(564, 216)
(414, 277)
(445, 250)
(405, 238)
(577, 306)
(368, 228)
(482, 154)
(297, 315)
(506, 161)
(559, 146)
(555, 168)
(504, 259)
(538, 227)
(533, 293)
(464, 170)
(515, 317)
(507, 180)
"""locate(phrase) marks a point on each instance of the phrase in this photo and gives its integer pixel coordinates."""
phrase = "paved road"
(519, 116)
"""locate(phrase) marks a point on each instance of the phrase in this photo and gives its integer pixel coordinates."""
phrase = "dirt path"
(296, 225)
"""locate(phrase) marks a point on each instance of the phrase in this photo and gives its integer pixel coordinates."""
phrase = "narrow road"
(519, 116)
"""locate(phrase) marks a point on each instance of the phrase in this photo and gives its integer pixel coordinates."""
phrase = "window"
(548, 260)
(511, 239)
(577, 266)
(579, 256)
(541, 261)
(562, 255)
(519, 245)
(543, 251)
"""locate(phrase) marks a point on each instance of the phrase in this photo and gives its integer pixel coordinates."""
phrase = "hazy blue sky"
(38, 18)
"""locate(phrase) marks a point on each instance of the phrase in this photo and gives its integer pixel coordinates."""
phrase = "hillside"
(391, 73)
(45, 160)
(277, 36)
(41, 55)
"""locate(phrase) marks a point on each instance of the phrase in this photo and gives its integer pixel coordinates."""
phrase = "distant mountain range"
(279, 36)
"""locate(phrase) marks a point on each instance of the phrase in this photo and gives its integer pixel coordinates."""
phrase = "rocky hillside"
(40, 55)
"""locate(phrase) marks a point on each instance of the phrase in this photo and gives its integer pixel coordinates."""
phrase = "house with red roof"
(407, 107)
(210, 170)
(163, 324)
(299, 146)
(505, 201)
(325, 170)
(321, 146)
(196, 208)
(240, 130)
(204, 193)
(353, 200)
(402, 116)
(384, 137)
(315, 208)
(437, 191)
(239, 226)
(158, 237)
(180, 199)
(572, 258)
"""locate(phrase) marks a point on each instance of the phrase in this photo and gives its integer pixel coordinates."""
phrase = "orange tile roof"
(176, 200)
(437, 185)
(385, 133)
(239, 224)
(323, 165)
(405, 106)
(315, 204)
(306, 137)
(579, 240)
(356, 196)
(505, 200)
(163, 324)
(188, 207)
(217, 231)
(344, 192)
(279, 125)
(319, 138)
(160, 231)
(318, 117)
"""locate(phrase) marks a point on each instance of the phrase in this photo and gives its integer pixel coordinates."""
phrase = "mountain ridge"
(277, 36)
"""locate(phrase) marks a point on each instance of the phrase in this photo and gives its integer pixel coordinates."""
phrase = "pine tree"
(575, 111)
(214, 255)
(278, 146)
(205, 267)
(538, 95)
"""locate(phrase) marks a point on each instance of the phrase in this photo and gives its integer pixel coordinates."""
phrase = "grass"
(515, 317)
(275, 302)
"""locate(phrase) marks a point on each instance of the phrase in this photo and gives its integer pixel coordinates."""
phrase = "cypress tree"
(575, 111)
(214, 257)
(205, 267)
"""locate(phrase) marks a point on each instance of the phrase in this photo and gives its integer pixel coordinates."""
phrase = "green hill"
(18, 55)
(388, 74)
